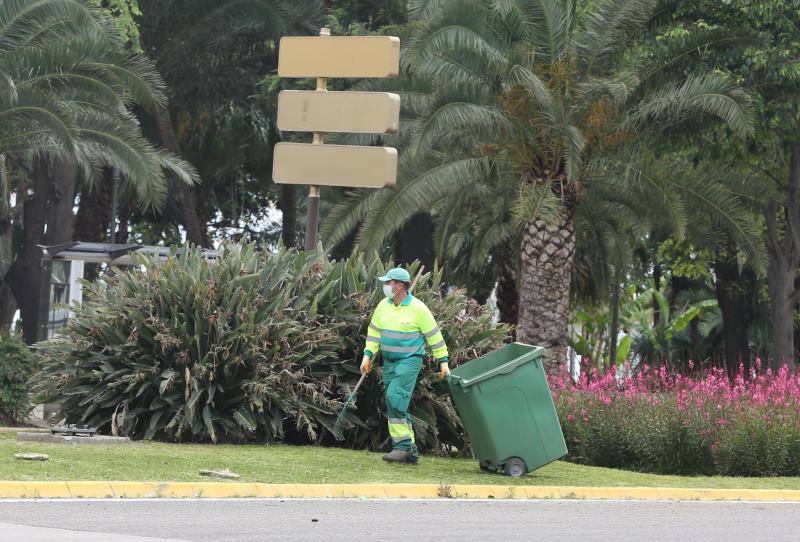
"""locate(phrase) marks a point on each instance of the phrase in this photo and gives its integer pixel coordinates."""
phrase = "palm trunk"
(91, 224)
(508, 287)
(61, 207)
(6, 252)
(24, 276)
(8, 305)
(548, 257)
(196, 231)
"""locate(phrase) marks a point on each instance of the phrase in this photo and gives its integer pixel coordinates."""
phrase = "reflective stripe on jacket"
(401, 331)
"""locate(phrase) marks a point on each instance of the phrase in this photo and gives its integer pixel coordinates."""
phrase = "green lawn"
(149, 461)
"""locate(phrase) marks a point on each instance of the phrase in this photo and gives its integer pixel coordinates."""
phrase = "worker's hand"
(366, 365)
(444, 370)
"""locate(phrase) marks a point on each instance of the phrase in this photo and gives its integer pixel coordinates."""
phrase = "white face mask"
(388, 291)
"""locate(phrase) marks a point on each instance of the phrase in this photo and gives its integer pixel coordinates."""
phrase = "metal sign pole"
(115, 180)
(312, 222)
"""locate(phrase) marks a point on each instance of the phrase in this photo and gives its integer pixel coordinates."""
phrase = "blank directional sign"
(339, 56)
(355, 112)
(334, 165)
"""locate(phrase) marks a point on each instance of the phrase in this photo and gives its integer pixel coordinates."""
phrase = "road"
(348, 520)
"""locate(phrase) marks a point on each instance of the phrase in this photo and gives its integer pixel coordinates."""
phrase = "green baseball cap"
(398, 273)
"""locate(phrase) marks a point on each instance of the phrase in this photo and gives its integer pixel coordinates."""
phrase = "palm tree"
(558, 104)
(68, 85)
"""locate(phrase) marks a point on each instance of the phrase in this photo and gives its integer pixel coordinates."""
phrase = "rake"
(337, 427)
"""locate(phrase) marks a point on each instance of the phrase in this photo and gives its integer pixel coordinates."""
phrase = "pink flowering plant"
(703, 423)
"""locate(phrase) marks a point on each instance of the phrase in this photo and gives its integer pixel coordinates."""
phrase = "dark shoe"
(401, 456)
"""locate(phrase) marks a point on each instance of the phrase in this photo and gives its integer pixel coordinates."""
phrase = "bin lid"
(530, 353)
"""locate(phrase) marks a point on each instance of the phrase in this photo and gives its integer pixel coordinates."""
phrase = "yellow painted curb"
(133, 490)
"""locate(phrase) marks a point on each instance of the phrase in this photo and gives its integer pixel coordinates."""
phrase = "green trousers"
(399, 380)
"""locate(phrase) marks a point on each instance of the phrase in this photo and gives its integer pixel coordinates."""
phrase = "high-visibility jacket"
(401, 331)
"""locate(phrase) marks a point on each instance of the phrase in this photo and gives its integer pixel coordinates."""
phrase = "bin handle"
(499, 370)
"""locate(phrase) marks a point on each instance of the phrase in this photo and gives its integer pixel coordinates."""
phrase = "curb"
(222, 490)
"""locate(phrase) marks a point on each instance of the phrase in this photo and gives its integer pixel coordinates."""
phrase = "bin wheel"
(515, 467)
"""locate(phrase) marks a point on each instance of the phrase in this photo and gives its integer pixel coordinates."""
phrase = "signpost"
(340, 56)
(321, 112)
(353, 112)
(342, 165)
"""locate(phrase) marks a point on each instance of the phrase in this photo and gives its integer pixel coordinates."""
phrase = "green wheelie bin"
(507, 410)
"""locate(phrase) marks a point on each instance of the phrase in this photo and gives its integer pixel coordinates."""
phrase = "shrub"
(194, 350)
(16, 368)
(253, 347)
(672, 424)
(760, 437)
(595, 431)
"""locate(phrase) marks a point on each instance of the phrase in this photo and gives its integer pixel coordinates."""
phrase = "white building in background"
(65, 289)
(67, 265)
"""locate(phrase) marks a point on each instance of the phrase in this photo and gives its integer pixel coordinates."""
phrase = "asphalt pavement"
(385, 520)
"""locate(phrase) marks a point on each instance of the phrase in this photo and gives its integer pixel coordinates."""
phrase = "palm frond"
(422, 9)
(458, 122)
(418, 189)
(627, 175)
(608, 28)
(75, 65)
(179, 168)
(345, 217)
(109, 141)
(29, 22)
(712, 200)
(567, 140)
(42, 112)
(548, 23)
(618, 89)
(462, 28)
(8, 89)
(69, 80)
(712, 95)
(487, 240)
(537, 202)
(236, 15)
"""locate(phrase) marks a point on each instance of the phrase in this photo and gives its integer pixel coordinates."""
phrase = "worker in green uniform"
(401, 326)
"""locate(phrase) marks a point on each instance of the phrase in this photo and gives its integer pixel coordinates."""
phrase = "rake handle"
(355, 390)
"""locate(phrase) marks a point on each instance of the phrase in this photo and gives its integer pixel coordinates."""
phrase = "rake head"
(350, 403)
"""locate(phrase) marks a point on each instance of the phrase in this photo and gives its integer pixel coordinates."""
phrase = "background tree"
(213, 56)
(68, 85)
(768, 66)
(557, 103)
